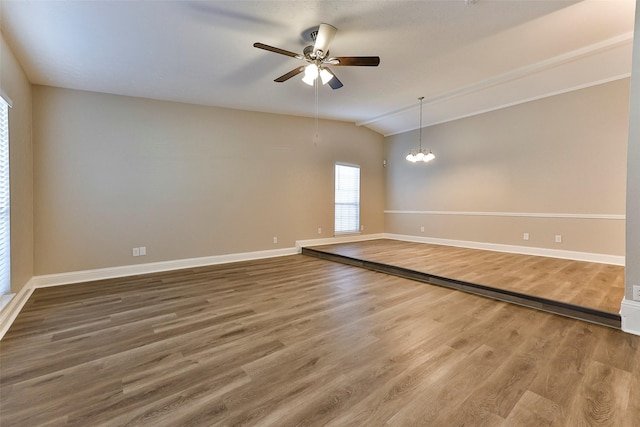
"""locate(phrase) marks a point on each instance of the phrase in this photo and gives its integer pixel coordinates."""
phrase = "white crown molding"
(523, 250)
(630, 316)
(522, 101)
(512, 214)
(515, 74)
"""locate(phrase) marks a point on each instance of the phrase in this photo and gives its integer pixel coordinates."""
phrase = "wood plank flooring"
(298, 341)
(586, 284)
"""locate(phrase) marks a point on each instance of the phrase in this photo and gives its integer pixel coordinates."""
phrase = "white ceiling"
(463, 58)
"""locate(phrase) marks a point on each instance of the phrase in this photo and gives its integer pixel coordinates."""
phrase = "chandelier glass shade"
(420, 156)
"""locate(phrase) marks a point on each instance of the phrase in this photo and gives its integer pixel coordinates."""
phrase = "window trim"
(5, 202)
(335, 204)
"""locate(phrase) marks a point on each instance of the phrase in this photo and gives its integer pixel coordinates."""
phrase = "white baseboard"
(524, 250)
(630, 315)
(155, 267)
(340, 239)
(8, 314)
(10, 311)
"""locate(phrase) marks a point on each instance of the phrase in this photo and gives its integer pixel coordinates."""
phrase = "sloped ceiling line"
(596, 48)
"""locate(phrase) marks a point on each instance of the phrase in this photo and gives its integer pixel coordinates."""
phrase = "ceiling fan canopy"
(318, 58)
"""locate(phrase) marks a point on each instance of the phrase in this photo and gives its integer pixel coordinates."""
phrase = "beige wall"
(564, 154)
(113, 173)
(186, 181)
(15, 85)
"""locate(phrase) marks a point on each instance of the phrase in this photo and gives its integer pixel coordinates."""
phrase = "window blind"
(5, 247)
(347, 199)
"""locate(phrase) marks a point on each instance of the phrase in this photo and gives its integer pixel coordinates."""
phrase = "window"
(5, 263)
(347, 204)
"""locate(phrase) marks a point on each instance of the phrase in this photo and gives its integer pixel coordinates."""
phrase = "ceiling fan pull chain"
(315, 84)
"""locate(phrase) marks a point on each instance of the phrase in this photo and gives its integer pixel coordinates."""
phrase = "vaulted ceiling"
(464, 57)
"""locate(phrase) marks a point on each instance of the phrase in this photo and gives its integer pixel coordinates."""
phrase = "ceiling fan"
(318, 58)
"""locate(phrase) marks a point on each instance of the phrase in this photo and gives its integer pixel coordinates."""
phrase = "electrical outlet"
(275, 240)
(558, 238)
(362, 228)
(636, 293)
(525, 236)
(319, 230)
(422, 228)
(136, 251)
(143, 250)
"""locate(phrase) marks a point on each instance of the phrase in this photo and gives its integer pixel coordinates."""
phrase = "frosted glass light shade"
(325, 76)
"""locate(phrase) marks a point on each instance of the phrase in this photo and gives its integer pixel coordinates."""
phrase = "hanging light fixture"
(420, 155)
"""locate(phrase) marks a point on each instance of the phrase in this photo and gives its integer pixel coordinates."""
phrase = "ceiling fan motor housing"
(310, 54)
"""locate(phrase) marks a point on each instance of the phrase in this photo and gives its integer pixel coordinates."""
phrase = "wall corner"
(630, 315)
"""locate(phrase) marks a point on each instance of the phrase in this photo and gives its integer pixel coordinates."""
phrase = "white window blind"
(347, 199)
(5, 246)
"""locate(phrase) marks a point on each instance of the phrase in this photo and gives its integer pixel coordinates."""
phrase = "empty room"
(341, 213)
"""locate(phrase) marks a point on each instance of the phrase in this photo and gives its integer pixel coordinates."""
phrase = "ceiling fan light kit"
(318, 58)
(311, 73)
(325, 76)
(420, 155)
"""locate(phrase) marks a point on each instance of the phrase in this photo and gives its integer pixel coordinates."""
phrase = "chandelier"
(420, 155)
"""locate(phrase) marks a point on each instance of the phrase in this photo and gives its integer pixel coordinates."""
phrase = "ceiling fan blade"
(334, 82)
(276, 50)
(366, 61)
(294, 72)
(325, 34)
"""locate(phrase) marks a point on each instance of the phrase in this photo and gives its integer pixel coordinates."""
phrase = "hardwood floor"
(587, 284)
(301, 341)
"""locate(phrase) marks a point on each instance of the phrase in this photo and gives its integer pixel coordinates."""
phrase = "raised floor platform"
(577, 289)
